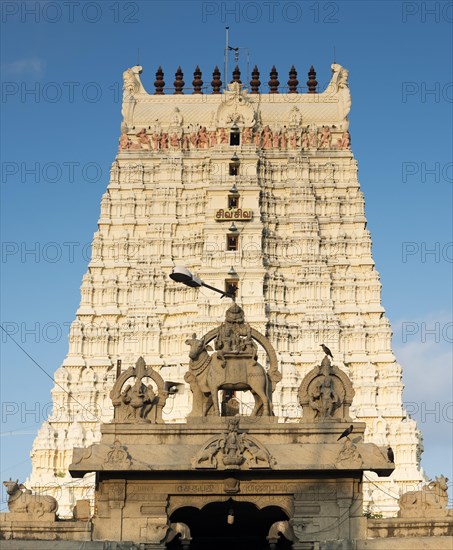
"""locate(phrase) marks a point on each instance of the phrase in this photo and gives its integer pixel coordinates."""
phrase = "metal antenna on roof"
(225, 59)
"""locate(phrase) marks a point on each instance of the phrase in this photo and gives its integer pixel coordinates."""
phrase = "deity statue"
(164, 141)
(293, 140)
(232, 444)
(213, 138)
(138, 402)
(143, 139)
(194, 139)
(125, 142)
(155, 138)
(223, 136)
(325, 138)
(323, 398)
(203, 138)
(305, 143)
(174, 140)
(185, 142)
(235, 335)
(283, 140)
(345, 140)
(276, 140)
(247, 136)
(267, 138)
(313, 136)
(257, 138)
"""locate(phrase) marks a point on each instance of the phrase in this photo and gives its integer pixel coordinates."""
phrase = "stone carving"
(118, 456)
(203, 140)
(283, 139)
(181, 529)
(247, 136)
(138, 402)
(325, 138)
(213, 138)
(125, 142)
(176, 118)
(257, 138)
(236, 449)
(231, 485)
(175, 141)
(236, 107)
(143, 139)
(295, 117)
(349, 456)
(278, 528)
(326, 394)
(313, 136)
(340, 76)
(267, 138)
(164, 140)
(431, 501)
(131, 80)
(233, 366)
(345, 141)
(223, 136)
(22, 501)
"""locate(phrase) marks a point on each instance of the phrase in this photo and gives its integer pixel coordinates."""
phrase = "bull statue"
(22, 501)
(430, 501)
(233, 366)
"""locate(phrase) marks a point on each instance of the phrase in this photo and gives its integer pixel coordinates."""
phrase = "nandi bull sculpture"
(21, 500)
(233, 366)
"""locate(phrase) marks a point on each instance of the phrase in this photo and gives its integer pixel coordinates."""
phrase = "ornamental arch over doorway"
(230, 525)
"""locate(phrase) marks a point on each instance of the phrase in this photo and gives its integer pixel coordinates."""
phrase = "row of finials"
(255, 83)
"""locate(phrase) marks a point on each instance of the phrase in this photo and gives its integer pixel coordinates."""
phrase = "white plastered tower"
(301, 251)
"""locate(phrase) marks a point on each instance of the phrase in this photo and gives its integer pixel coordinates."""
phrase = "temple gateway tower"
(256, 191)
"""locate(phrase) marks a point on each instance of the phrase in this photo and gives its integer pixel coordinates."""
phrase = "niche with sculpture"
(135, 398)
(326, 394)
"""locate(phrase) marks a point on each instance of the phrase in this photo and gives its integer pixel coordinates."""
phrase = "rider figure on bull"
(235, 335)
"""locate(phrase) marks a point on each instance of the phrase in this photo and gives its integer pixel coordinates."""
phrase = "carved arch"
(285, 502)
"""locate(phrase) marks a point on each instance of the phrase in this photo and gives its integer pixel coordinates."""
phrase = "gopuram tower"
(244, 188)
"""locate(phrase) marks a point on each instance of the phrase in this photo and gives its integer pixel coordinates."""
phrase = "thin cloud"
(31, 66)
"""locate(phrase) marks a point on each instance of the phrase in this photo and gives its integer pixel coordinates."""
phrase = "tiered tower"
(256, 190)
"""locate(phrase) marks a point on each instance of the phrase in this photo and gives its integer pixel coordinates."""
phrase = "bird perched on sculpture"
(326, 350)
(390, 455)
(346, 433)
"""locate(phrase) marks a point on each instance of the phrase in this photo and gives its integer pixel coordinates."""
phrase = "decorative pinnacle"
(293, 82)
(216, 83)
(273, 81)
(179, 82)
(159, 83)
(237, 75)
(312, 82)
(197, 83)
(255, 83)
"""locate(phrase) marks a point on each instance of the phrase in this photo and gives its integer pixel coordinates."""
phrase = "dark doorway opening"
(229, 525)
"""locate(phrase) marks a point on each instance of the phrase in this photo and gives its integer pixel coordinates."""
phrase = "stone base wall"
(407, 543)
(17, 527)
(410, 527)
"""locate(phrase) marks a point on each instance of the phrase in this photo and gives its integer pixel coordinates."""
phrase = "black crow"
(326, 350)
(346, 432)
(390, 455)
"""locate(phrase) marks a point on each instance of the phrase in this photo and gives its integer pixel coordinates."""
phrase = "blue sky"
(61, 68)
